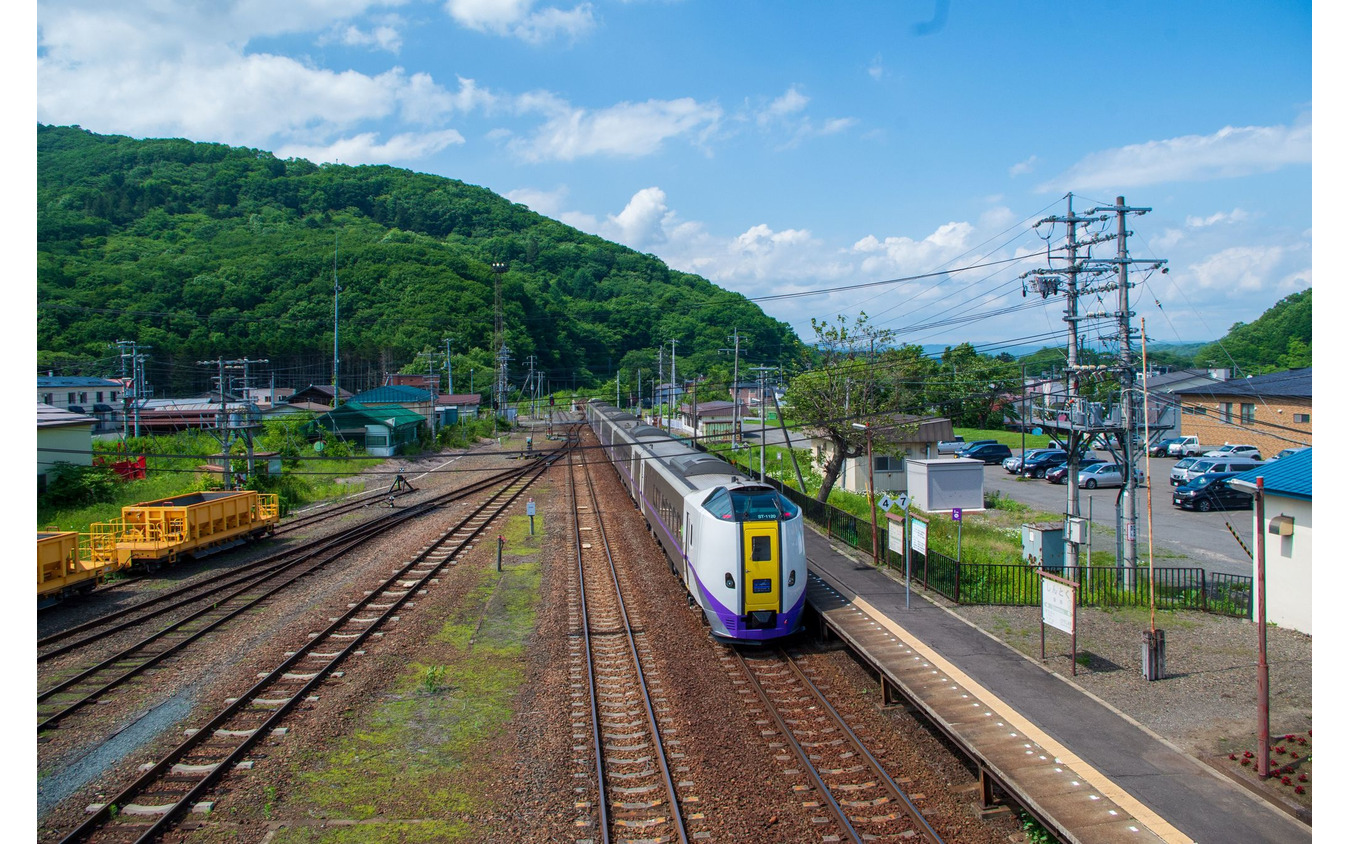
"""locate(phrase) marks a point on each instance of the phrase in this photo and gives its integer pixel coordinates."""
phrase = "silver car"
(1179, 470)
(1103, 474)
(1230, 450)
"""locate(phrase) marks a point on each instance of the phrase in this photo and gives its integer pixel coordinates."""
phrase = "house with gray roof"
(1272, 412)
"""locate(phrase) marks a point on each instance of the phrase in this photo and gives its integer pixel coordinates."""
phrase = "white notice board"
(918, 536)
(1057, 605)
(895, 537)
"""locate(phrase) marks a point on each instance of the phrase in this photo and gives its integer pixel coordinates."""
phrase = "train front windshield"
(750, 504)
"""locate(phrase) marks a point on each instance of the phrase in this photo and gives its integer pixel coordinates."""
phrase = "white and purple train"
(736, 544)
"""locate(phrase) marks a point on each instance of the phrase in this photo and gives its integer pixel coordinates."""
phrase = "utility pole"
(336, 290)
(433, 384)
(498, 338)
(131, 401)
(1129, 503)
(660, 374)
(224, 430)
(673, 383)
(735, 381)
(759, 374)
(449, 370)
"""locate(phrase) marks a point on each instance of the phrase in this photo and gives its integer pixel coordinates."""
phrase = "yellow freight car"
(156, 533)
(60, 571)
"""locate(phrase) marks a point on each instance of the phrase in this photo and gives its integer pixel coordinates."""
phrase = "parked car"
(1014, 464)
(959, 444)
(990, 453)
(1211, 491)
(1190, 446)
(1102, 474)
(1205, 465)
(1060, 474)
(1037, 466)
(1178, 474)
(1159, 449)
(1229, 450)
(1288, 451)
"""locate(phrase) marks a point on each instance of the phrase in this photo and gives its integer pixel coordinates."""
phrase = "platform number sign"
(956, 514)
(902, 499)
(885, 502)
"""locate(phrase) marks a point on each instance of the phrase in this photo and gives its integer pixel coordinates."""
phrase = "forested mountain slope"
(202, 250)
(1280, 339)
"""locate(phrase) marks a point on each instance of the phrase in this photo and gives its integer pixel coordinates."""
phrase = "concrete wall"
(1288, 564)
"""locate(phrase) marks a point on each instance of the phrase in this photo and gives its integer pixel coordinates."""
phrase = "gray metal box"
(1043, 545)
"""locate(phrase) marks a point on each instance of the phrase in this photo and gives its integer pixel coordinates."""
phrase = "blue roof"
(1289, 476)
(393, 394)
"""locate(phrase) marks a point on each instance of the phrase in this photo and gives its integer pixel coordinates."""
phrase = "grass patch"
(413, 755)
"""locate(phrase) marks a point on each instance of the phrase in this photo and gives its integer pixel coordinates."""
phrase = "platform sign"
(956, 514)
(918, 536)
(1059, 609)
(895, 534)
(1057, 605)
(529, 507)
(902, 499)
(885, 502)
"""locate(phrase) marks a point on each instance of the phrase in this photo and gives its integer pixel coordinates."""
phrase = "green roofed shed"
(380, 430)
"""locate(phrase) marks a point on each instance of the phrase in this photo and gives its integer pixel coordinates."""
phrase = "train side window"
(761, 549)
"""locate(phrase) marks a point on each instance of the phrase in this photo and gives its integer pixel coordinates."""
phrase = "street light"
(871, 491)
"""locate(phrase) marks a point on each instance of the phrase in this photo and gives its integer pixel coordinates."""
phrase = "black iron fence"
(1017, 584)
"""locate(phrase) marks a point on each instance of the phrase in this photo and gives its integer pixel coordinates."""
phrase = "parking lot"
(1200, 539)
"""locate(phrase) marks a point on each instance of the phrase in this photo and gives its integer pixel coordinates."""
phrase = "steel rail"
(241, 704)
(184, 594)
(601, 802)
(677, 817)
(821, 788)
(914, 812)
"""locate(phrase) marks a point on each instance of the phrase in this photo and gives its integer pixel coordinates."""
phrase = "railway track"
(632, 794)
(840, 779)
(183, 779)
(225, 585)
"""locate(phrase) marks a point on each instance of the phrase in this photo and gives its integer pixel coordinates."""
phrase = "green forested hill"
(202, 250)
(1281, 338)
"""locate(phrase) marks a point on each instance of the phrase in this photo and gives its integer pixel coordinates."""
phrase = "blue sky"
(774, 147)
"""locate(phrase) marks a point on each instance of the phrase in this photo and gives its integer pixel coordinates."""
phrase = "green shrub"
(69, 485)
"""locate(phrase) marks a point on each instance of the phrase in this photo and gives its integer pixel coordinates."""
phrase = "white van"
(1218, 464)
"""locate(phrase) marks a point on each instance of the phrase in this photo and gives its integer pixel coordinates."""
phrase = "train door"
(761, 551)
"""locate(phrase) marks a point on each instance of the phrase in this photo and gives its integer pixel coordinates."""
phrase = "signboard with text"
(1057, 605)
(918, 536)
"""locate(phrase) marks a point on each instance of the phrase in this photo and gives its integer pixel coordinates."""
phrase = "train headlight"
(792, 578)
(731, 581)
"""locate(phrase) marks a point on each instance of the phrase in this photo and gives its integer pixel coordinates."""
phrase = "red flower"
(1290, 737)
(1302, 740)
(1298, 789)
(1233, 756)
(1288, 769)
(1246, 762)
(1302, 777)
(1247, 754)
(1284, 780)
(1279, 748)
(1310, 734)
(1293, 754)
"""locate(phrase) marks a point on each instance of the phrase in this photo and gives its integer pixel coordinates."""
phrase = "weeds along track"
(190, 613)
(184, 778)
(630, 794)
(838, 779)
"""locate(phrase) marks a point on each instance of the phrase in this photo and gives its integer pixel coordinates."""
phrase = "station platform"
(1086, 772)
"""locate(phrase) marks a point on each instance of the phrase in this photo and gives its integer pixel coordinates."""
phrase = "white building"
(1287, 529)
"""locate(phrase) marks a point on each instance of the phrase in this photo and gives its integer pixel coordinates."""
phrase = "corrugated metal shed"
(392, 394)
(1289, 476)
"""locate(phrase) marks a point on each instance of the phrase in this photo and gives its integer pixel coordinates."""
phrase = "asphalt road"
(1180, 537)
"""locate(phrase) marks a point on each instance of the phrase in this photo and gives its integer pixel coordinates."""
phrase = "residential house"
(379, 430)
(1272, 412)
(267, 397)
(100, 398)
(167, 416)
(1287, 528)
(320, 394)
(292, 408)
(714, 420)
(888, 462)
(62, 437)
(452, 407)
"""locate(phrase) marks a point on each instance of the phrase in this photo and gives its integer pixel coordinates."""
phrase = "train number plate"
(763, 585)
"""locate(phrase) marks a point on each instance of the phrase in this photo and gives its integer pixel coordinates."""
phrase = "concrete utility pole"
(673, 384)
(336, 290)
(498, 338)
(449, 370)
(433, 384)
(131, 404)
(660, 374)
(735, 381)
(759, 374)
(225, 432)
(1129, 503)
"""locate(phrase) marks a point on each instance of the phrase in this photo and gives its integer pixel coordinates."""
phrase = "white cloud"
(366, 149)
(548, 203)
(516, 18)
(639, 224)
(182, 69)
(626, 129)
(1237, 215)
(1022, 167)
(899, 255)
(1252, 269)
(1228, 153)
(383, 37)
(791, 102)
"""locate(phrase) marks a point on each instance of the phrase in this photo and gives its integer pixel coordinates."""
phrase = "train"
(150, 535)
(736, 544)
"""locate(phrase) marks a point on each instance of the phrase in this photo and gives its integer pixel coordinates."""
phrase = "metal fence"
(1017, 584)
